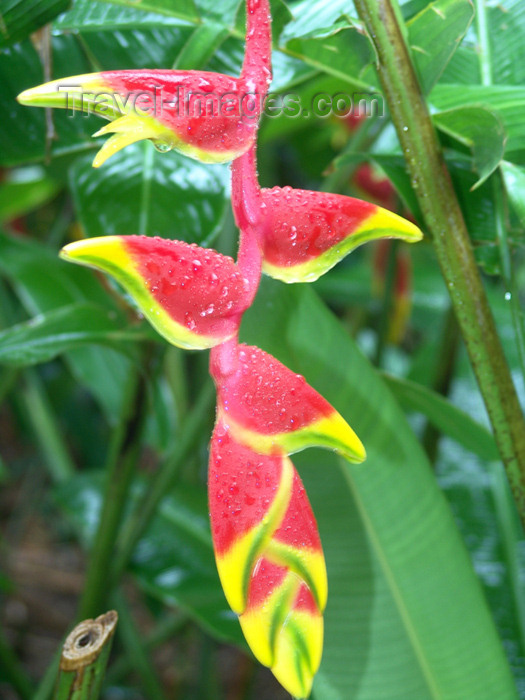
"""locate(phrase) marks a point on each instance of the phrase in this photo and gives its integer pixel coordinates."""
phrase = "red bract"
(302, 234)
(208, 116)
(194, 297)
(269, 557)
(272, 409)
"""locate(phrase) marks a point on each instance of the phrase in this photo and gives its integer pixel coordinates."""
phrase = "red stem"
(257, 66)
(246, 193)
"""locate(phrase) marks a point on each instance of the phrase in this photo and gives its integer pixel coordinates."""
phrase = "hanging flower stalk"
(267, 546)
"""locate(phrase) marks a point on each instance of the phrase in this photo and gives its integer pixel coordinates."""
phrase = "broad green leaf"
(514, 179)
(44, 283)
(401, 584)
(141, 191)
(340, 50)
(434, 35)
(508, 102)
(20, 18)
(23, 133)
(24, 191)
(95, 16)
(506, 21)
(183, 9)
(444, 416)
(481, 131)
(48, 335)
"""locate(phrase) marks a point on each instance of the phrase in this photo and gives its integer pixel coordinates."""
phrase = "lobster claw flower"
(269, 557)
(192, 296)
(271, 409)
(306, 233)
(208, 116)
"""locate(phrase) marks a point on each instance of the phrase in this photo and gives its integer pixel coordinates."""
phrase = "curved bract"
(306, 233)
(269, 557)
(207, 116)
(192, 296)
(272, 409)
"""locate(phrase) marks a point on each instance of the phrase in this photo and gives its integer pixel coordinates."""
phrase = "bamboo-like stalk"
(444, 220)
(84, 659)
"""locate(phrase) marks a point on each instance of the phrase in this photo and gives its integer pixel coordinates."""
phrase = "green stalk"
(189, 432)
(123, 456)
(84, 659)
(444, 220)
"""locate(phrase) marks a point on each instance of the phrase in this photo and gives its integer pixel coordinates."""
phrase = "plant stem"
(123, 456)
(433, 187)
(84, 658)
(190, 431)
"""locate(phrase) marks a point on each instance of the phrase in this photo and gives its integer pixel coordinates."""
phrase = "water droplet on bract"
(189, 321)
(162, 147)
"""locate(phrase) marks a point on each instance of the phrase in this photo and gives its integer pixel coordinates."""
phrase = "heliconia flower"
(269, 557)
(306, 233)
(270, 408)
(208, 116)
(192, 296)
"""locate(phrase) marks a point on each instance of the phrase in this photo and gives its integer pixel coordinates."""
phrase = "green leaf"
(340, 50)
(44, 283)
(182, 9)
(506, 20)
(23, 133)
(141, 191)
(401, 584)
(514, 179)
(48, 335)
(95, 16)
(25, 191)
(481, 130)
(508, 102)
(444, 416)
(20, 18)
(434, 35)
